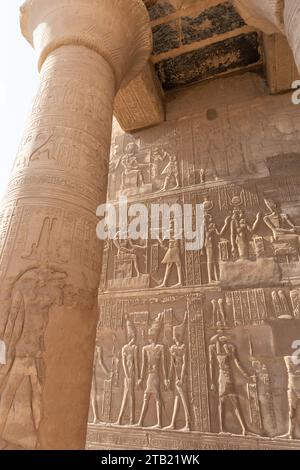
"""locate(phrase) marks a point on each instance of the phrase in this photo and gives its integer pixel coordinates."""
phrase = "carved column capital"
(265, 15)
(118, 30)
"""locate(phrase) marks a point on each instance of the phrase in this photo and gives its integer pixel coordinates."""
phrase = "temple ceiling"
(194, 40)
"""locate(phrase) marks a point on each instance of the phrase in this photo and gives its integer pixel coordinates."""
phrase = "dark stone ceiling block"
(216, 20)
(234, 53)
(161, 9)
(166, 37)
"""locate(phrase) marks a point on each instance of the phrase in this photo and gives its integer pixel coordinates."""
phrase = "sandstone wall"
(233, 307)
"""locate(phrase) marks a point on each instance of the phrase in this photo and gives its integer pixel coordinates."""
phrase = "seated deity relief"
(126, 265)
(265, 248)
(137, 170)
(285, 234)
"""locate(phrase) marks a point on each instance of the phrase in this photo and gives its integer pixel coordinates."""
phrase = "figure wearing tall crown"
(153, 361)
(131, 372)
(178, 368)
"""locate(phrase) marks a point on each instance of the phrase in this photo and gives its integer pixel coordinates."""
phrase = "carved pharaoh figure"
(293, 370)
(224, 353)
(178, 367)
(32, 295)
(158, 156)
(131, 371)
(170, 172)
(153, 362)
(172, 257)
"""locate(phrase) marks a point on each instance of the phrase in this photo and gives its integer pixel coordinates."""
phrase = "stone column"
(292, 27)
(50, 258)
(274, 16)
(265, 15)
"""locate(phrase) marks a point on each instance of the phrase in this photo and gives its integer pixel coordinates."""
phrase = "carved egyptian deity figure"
(178, 368)
(224, 353)
(98, 360)
(125, 246)
(171, 171)
(293, 393)
(131, 372)
(241, 234)
(172, 257)
(157, 157)
(33, 293)
(279, 223)
(131, 165)
(153, 361)
(211, 244)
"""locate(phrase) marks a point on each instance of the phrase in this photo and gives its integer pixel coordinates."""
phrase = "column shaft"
(50, 258)
(59, 178)
(292, 27)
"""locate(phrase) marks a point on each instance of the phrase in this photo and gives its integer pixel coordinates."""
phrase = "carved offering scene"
(198, 365)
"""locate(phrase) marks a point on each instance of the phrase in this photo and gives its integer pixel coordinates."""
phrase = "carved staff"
(253, 396)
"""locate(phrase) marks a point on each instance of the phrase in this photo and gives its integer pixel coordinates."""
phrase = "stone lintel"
(140, 103)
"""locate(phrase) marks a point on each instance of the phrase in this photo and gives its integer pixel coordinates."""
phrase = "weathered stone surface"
(281, 70)
(194, 348)
(166, 37)
(215, 20)
(266, 15)
(50, 257)
(140, 103)
(229, 55)
(245, 273)
(218, 326)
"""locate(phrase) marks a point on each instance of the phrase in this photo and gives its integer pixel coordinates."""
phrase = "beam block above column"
(281, 69)
(140, 103)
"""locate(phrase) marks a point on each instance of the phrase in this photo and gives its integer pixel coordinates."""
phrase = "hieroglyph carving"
(58, 181)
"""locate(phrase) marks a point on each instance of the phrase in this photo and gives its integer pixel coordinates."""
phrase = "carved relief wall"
(194, 347)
